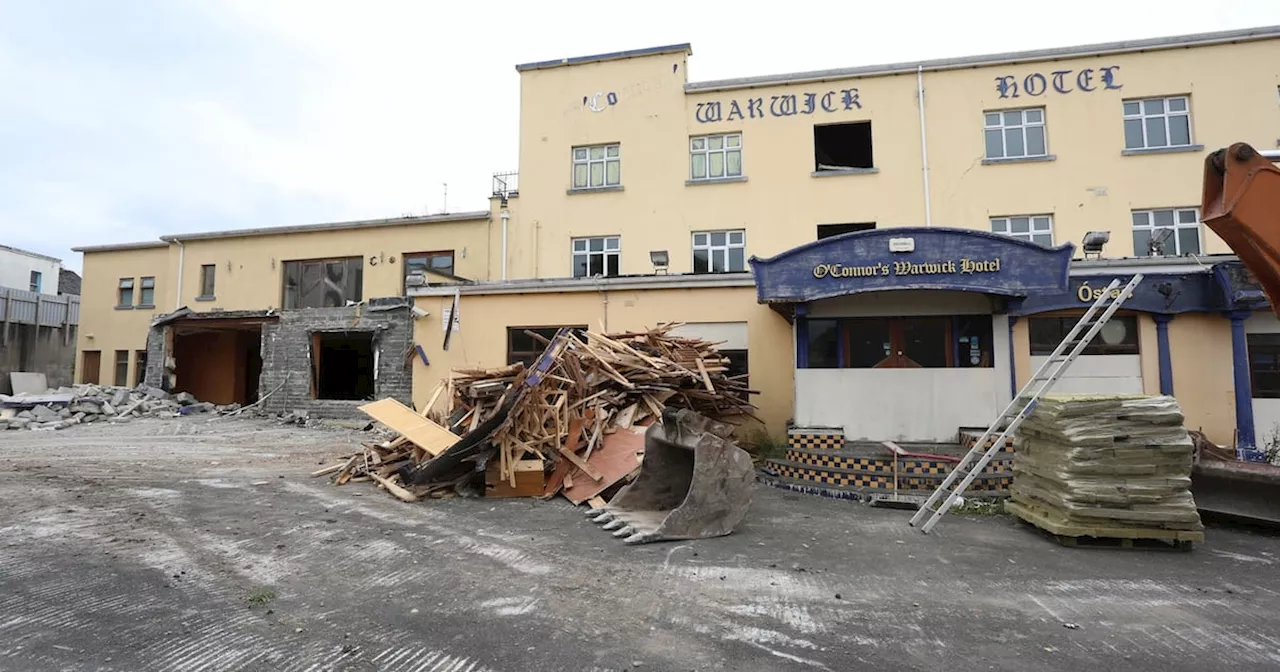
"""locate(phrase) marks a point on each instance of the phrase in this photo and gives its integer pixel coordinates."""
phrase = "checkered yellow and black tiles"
(815, 441)
(873, 473)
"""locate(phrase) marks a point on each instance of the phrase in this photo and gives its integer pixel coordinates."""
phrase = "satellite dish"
(1155, 248)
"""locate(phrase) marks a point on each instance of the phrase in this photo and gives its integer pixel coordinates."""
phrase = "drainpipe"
(506, 215)
(182, 254)
(924, 145)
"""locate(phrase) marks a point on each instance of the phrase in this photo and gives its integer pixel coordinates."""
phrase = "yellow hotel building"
(887, 251)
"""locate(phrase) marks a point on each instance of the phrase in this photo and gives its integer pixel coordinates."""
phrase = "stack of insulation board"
(1114, 466)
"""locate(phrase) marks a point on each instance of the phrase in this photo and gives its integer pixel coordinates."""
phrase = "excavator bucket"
(694, 483)
(1241, 203)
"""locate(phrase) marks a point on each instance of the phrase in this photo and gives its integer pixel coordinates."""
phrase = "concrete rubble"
(66, 406)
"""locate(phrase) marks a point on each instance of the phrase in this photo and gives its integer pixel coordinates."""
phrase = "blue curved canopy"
(964, 260)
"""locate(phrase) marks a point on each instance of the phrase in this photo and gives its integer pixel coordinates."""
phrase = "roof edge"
(328, 226)
(120, 247)
(28, 253)
(611, 56)
(1097, 49)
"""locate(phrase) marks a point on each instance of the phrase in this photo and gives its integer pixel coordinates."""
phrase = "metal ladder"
(1023, 403)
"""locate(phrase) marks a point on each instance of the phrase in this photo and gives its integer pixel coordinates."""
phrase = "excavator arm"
(1241, 203)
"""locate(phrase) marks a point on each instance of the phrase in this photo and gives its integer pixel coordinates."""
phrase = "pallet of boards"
(1106, 466)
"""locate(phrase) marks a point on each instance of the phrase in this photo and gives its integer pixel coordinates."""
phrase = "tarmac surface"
(190, 544)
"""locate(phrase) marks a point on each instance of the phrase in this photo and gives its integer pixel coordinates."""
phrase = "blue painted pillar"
(1165, 356)
(1245, 440)
(802, 336)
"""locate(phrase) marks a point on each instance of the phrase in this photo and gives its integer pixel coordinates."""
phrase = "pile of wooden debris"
(572, 422)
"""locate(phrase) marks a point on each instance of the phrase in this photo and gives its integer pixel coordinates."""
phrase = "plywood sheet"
(618, 455)
(421, 431)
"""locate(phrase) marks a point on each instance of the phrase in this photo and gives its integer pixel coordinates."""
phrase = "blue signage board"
(1168, 293)
(938, 258)
(1240, 290)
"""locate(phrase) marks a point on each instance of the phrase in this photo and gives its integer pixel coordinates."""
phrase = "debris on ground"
(573, 422)
(1106, 466)
(66, 406)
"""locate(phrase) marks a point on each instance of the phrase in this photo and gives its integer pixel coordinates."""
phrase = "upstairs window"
(207, 273)
(719, 251)
(1157, 122)
(597, 166)
(426, 263)
(597, 256)
(1032, 228)
(842, 147)
(124, 295)
(713, 157)
(36, 277)
(147, 292)
(1015, 134)
(1169, 232)
(323, 283)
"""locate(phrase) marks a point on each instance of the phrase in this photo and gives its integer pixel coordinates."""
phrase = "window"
(1034, 228)
(714, 157)
(147, 292)
(206, 281)
(842, 147)
(1013, 134)
(323, 283)
(1167, 232)
(1119, 336)
(1157, 122)
(424, 262)
(958, 341)
(829, 230)
(595, 256)
(124, 297)
(597, 166)
(35, 281)
(524, 349)
(1264, 365)
(738, 368)
(122, 368)
(140, 367)
(719, 251)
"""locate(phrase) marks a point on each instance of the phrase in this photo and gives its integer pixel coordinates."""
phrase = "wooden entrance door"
(91, 367)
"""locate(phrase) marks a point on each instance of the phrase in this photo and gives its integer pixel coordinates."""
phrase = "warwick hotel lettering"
(962, 266)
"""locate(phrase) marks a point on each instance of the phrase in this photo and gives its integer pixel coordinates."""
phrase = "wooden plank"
(399, 492)
(580, 464)
(419, 430)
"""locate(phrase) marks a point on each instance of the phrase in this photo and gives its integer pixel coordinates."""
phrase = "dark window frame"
(527, 356)
(1043, 339)
(124, 293)
(139, 367)
(121, 378)
(37, 278)
(1264, 359)
(840, 337)
(147, 291)
(407, 258)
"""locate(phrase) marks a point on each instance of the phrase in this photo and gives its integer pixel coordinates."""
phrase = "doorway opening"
(218, 364)
(342, 365)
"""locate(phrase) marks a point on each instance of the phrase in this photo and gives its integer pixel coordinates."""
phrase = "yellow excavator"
(1241, 203)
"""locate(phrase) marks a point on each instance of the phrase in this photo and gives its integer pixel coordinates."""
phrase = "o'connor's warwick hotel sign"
(962, 266)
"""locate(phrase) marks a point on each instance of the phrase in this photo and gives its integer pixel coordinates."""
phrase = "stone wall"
(286, 355)
(39, 350)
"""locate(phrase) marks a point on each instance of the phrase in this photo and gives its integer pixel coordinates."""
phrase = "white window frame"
(1037, 225)
(583, 156)
(700, 147)
(718, 255)
(1025, 122)
(1142, 116)
(611, 247)
(1149, 215)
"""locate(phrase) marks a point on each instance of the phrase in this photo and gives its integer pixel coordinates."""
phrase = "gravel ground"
(190, 544)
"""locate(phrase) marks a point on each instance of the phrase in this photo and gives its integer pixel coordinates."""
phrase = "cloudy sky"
(121, 120)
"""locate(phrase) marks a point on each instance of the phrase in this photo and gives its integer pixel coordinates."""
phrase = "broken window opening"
(343, 365)
(839, 147)
(829, 230)
(323, 283)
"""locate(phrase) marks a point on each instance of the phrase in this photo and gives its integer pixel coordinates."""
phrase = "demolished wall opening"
(343, 365)
(218, 364)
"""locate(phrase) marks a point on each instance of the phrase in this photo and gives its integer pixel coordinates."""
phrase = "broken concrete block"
(119, 419)
(157, 393)
(64, 412)
(185, 398)
(107, 408)
(18, 423)
(120, 397)
(78, 417)
(26, 415)
(42, 413)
